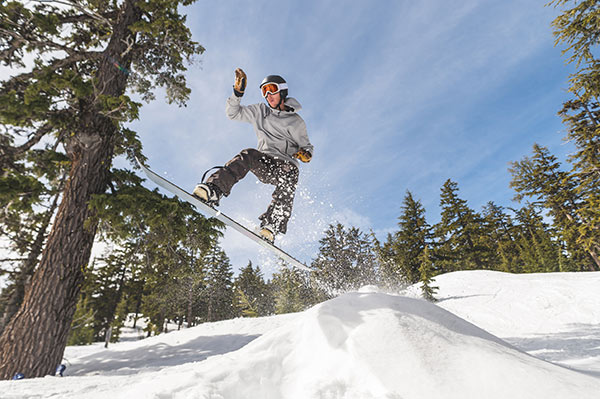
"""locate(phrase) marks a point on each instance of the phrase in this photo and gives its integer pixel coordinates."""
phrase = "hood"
(292, 102)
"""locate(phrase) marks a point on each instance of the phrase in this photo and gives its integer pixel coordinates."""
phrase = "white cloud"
(396, 96)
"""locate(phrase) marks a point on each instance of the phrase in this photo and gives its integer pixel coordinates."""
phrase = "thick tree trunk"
(34, 340)
(28, 268)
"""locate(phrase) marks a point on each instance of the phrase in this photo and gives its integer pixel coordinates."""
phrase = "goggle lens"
(272, 88)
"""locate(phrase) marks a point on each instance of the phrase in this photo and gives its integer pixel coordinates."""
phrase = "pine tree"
(253, 297)
(246, 306)
(576, 194)
(170, 239)
(500, 233)
(86, 56)
(541, 178)
(294, 291)
(577, 27)
(538, 251)
(119, 320)
(426, 270)
(82, 329)
(403, 249)
(219, 292)
(459, 234)
(346, 261)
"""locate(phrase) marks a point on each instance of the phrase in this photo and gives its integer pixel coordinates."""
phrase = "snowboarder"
(282, 139)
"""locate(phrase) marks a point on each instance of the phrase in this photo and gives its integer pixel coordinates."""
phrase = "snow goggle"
(272, 88)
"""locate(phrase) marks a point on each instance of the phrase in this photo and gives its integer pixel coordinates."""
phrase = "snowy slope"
(554, 316)
(363, 345)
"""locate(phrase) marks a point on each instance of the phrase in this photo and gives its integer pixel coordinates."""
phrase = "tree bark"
(28, 268)
(34, 340)
(596, 259)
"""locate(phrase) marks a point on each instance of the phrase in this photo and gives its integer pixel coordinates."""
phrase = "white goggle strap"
(282, 86)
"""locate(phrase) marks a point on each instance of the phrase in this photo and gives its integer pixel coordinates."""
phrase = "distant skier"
(60, 370)
(282, 139)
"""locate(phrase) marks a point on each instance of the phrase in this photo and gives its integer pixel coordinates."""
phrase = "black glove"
(240, 82)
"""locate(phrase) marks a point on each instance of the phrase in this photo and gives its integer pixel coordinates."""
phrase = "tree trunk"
(28, 268)
(34, 340)
(190, 304)
(596, 259)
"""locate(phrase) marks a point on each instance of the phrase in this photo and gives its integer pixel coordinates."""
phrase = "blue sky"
(396, 95)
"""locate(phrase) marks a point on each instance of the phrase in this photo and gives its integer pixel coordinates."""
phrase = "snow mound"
(367, 344)
(370, 345)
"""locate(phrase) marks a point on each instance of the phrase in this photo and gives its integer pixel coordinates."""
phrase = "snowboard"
(210, 211)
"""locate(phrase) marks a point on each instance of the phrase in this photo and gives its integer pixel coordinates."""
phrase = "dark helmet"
(279, 80)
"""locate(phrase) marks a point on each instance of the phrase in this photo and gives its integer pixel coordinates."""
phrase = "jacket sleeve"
(236, 111)
(300, 135)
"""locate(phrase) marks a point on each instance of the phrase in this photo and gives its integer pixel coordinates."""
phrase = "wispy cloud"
(396, 95)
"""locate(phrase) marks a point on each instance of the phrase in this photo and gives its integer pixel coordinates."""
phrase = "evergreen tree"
(427, 271)
(538, 251)
(459, 234)
(105, 286)
(158, 267)
(219, 286)
(86, 56)
(170, 238)
(119, 320)
(572, 197)
(500, 233)
(294, 291)
(541, 178)
(577, 27)
(253, 297)
(246, 306)
(82, 329)
(346, 261)
(403, 249)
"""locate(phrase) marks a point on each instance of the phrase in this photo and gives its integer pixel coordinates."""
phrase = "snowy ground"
(492, 335)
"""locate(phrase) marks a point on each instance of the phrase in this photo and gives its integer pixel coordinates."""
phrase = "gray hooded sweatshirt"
(279, 133)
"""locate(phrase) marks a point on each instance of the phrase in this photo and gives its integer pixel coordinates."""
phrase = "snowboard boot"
(268, 233)
(208, 193)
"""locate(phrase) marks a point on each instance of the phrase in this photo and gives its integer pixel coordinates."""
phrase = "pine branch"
(75, 4)
(23, 79)
(587, 110)
(9, 153)
(22, 38)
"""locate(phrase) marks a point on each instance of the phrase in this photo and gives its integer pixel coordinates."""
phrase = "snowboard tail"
(209, 211)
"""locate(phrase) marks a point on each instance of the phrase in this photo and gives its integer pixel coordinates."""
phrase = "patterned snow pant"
(269, 170)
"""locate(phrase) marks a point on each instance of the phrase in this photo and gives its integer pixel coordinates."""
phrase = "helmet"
(276, 79)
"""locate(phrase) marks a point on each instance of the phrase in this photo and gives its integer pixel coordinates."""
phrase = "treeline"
(176, 273)
(165, 278)
(524, 240)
